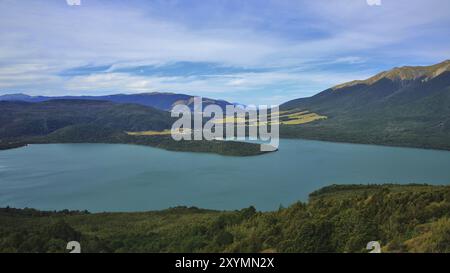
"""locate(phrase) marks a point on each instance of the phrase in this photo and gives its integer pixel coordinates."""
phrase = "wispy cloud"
(255, 86)
(245, 51)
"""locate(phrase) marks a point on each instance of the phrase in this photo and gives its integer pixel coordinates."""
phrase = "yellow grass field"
(301, 118)
(286, 118)
(150, 133)
(158, 133)
(229, 120)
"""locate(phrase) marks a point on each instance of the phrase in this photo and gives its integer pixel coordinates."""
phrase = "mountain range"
(158, 100)
(405, 106)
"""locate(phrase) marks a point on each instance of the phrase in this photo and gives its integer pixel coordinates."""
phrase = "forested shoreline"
(339, 218)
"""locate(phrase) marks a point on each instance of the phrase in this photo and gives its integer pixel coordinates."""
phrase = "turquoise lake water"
(110, 177)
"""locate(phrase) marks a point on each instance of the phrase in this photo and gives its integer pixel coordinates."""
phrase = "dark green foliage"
(19, 119)
(5, 144)
(409, 218)
(228, 148)
(78, 121)
(413, 113)
(224, 238)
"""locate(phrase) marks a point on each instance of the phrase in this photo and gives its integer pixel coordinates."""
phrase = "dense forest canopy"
(344, 218)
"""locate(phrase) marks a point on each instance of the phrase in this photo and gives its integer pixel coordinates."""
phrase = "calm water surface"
(107, 177)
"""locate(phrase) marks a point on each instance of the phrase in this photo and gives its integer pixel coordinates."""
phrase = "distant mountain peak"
(160, 100)
(14, 96)
(157, 93)
(404, 73)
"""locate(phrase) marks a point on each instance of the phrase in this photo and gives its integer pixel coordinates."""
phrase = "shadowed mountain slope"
(407, 106)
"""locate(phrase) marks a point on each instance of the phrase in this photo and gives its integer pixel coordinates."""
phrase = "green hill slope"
(19, 119)
(408, 106)
(88, 121)
(408, 218)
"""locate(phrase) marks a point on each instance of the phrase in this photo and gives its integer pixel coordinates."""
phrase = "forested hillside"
(407, 106)
(80, 121)
(21, 119)
(410, 218)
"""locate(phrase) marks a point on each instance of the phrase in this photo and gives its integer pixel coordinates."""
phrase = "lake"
(111, 177)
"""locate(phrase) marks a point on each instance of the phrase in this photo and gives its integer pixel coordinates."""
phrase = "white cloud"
(73, 2)
(294, 39)
(374, 2)
(220, 86)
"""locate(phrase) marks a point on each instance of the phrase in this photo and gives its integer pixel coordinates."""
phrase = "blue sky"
(248, 51)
